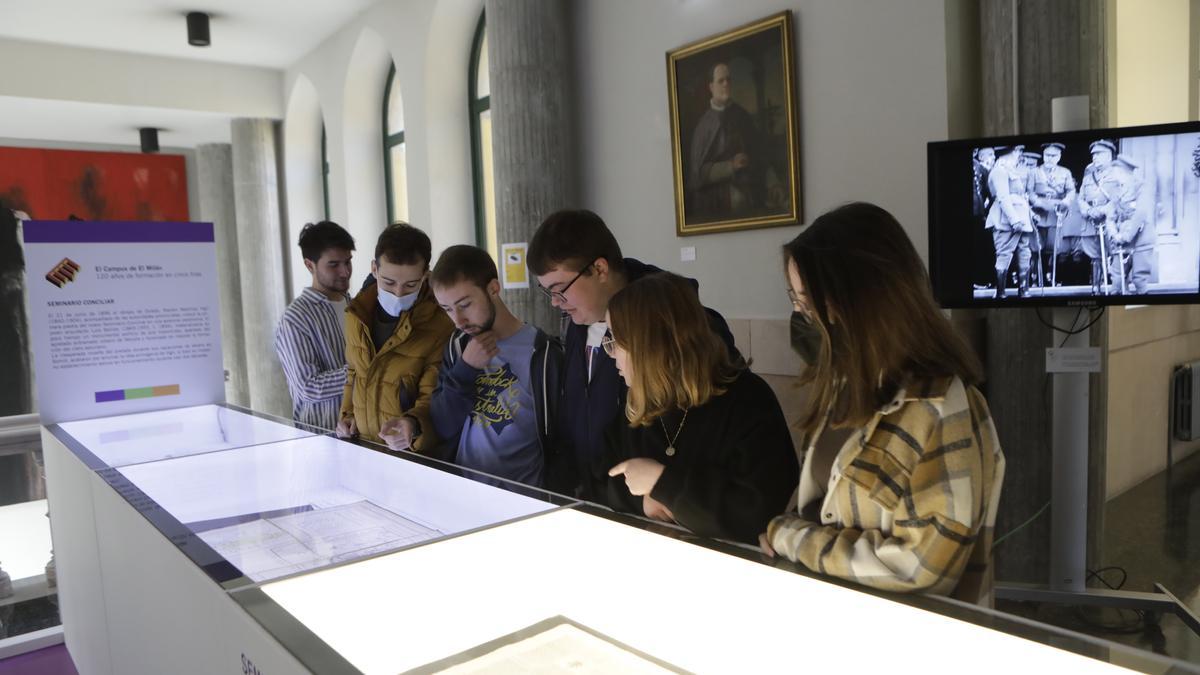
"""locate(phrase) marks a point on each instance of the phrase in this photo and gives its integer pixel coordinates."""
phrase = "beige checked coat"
(911, 500)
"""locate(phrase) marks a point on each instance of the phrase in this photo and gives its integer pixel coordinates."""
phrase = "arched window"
(481, 142)
(325, 170)
(394, 164)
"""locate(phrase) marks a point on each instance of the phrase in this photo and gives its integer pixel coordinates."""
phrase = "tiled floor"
(1152, 532)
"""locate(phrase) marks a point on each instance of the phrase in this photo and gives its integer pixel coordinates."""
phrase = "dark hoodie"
(587, 409)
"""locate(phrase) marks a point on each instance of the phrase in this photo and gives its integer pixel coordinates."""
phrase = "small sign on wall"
(1073, 360)
(512, 265)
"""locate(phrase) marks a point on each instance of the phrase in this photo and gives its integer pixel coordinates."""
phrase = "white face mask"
(395, 304)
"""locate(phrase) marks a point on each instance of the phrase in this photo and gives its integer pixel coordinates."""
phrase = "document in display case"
(272, 544)
(288, 506)
(189, 504)
(556, 645)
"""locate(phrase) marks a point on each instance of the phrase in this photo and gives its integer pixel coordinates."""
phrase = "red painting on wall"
(58, 184)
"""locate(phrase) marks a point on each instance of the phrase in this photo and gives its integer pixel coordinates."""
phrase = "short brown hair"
(463, 262)
(873, 304)
(577, 237)
(316, 238)
(678, 362)
(403, 244)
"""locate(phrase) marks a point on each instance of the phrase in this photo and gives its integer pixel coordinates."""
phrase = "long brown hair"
(873, 304)
(678, 362)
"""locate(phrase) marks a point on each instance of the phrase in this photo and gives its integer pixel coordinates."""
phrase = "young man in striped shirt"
(310, 340)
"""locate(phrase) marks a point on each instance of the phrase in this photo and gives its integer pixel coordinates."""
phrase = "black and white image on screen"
(1113, 216)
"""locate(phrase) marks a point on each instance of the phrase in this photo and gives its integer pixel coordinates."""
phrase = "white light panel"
(694, 608)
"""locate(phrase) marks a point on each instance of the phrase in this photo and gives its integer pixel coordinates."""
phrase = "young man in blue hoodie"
(579, 265)
(497, 388)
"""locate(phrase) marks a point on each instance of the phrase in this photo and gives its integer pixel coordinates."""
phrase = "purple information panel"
(124, 317)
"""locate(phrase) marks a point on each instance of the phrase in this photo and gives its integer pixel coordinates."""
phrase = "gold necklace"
(670, 440)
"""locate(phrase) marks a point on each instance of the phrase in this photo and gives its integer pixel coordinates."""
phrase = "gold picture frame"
(734, 140)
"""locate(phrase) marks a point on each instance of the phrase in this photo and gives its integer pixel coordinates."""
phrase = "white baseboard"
(30, 642)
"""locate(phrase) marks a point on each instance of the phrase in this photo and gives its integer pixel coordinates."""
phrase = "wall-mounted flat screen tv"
(1097, 217)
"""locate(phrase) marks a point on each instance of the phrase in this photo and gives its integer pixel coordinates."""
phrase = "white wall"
(1150, 83)
(429, 41)
(872, 91)
(302, 175)
(1145, 344)
(45, 71)
(362, 139)
(1153, 64)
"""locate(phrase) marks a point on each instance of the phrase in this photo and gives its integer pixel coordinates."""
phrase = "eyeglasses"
(560, 294)
(610, 345)
(799, 301)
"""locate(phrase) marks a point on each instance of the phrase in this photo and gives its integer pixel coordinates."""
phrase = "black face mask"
(806, 338)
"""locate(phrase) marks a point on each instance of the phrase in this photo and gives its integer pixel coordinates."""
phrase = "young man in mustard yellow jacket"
(395, 335)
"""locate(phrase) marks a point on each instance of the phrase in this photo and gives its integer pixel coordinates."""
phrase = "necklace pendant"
(670, 451)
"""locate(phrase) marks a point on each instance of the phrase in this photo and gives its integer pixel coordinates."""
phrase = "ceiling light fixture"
(149, 139)
(197, 26)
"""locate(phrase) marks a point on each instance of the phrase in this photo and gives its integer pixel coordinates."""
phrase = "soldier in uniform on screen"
(1132, 236)
(1051, 198)
(1112, 231)
(1029, 161)
(982, 161)
(1009, 219)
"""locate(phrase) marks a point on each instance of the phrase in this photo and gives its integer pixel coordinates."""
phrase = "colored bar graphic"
(139, 392)
(106, 396)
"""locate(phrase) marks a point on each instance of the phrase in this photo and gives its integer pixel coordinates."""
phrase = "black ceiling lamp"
(197, 23)
(149, 139)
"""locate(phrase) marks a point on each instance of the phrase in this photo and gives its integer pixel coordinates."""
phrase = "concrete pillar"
(529, 61)
(1059, 51)
(260, 263)
(16, 396)
(214, 176)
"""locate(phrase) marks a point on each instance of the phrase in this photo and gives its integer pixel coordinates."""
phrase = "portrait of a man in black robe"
(734, 130)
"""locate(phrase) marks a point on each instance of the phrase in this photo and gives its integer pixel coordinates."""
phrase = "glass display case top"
(678, 605)
(287, 506)
(164, 434)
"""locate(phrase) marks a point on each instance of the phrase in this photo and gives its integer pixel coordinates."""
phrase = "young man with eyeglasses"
(395, 334)
(579, 265)
(498, 386)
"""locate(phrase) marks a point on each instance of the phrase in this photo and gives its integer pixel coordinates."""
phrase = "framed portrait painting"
(733, 129)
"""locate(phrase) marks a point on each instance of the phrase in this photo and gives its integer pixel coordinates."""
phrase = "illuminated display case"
(212, 539)
(164, 434)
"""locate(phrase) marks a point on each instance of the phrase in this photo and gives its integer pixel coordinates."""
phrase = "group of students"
(645, 404)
